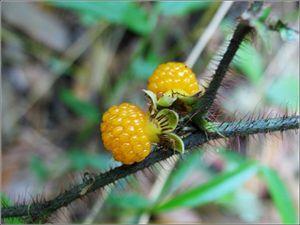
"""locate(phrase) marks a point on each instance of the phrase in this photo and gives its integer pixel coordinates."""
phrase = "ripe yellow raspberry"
(128, 133)
(173, 76)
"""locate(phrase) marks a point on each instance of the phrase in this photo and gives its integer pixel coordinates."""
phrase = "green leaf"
(127, 13)
(280, 196)
(212, 190)
(80, 107)
(5, 201)
(180, 8)
(250, 62)
(285, 91)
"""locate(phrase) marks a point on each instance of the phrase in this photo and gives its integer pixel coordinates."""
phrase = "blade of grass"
(212, 190)
(280, 196)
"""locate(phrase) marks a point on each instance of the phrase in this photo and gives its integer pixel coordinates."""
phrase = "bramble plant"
(128, 132)
(175, 122)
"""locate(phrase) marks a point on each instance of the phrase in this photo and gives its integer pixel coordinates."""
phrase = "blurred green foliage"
(211, 190)
(80, 107)
(143, 67)
(181, 173)
(80, 160)
(72, 160)
(243, 203)
(280, 196)
(169, 8)
(225, 189)
(39, 168)
(250, 62)
(286, 33)
(285, 92)
(128, 201)
(126, 13)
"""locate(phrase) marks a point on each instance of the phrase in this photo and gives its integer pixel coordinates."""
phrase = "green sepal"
(176, 142)
(167, 120)
(188, 100)
(166, 100)
(153, 101)
(169, 98)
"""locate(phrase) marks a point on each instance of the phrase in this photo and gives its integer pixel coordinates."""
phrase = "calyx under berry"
(163, 123)
(176, 99)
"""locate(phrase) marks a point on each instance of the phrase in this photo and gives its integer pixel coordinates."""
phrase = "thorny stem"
(227, 129)
(205, 102)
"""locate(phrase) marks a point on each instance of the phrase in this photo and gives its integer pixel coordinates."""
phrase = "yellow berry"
(173, 76)
(127, 133)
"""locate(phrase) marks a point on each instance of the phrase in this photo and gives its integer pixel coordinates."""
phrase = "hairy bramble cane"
(128, 132)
